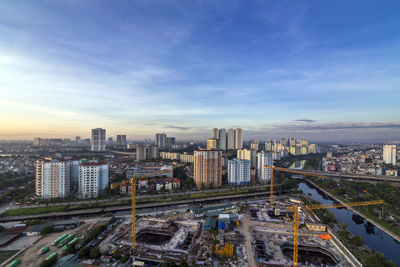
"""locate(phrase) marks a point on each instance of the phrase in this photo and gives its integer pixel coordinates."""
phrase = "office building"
(389, 154)
(161, 140)
(98, 140)
(222, 138)
(238, 171)
(230, 139)
(238, 138)
(93, 177)
(215, 133)
(248, 154)
(207, 168)
(53, 178)
(212, 143)
(264, 159)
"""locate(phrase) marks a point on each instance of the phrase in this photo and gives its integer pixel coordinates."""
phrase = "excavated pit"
(154, 236)
(315, 255)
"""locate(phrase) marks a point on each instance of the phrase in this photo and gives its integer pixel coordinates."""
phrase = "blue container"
(221, 225)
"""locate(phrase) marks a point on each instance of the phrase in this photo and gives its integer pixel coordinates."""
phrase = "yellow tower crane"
(272, 168)
(296, 208)
(133, 195)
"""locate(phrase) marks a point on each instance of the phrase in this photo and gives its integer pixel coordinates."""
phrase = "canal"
(373, 236)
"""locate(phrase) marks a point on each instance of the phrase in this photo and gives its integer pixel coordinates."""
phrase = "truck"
(55, 242)
(73, 241)
(65, 240)
(51, 256)
(14, 263)
(44, 250)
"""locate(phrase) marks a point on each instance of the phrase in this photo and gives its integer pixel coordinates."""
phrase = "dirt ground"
(30, 258)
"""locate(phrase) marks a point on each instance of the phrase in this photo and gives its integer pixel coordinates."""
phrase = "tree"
(378, 259)
(95, 253)
(47, 230)
(183, 263)
(84, 252)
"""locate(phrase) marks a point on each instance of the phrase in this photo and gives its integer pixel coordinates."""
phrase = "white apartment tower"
(238, 171)
(161, 140)
(215, 133)
(249, 155)
(263, 174)
(98, 140)
(222, 139)
(389, 154)
(231, 139)
(93, 177)
(53, 178)
(238, 138)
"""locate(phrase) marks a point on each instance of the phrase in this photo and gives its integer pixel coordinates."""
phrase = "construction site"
(272, 231)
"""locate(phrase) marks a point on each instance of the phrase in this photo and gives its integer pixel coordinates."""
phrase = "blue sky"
(321, 70)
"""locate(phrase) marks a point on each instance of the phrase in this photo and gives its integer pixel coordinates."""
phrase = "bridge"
(380, 178)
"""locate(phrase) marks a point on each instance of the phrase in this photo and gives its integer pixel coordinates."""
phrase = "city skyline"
(275, 69)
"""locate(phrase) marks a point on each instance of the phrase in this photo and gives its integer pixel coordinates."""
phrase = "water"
(298, 164)
(373, 236)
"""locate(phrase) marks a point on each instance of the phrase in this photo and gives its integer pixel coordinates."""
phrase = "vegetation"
(377, 259)
(48, 229)
(312, 164)
(93, 233)
(187, 183)
(351, 191)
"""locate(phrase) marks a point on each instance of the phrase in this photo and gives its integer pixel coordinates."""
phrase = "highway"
(381, 178)
(12, 206)
(148, 206)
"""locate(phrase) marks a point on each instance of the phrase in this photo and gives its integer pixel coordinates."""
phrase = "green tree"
(378, 259)
(168, 263)
(84, 252)
(47, 230)
(95, 253)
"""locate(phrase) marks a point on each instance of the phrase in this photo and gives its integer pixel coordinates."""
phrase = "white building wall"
(263, 174)
(389, 154)
(238, 171)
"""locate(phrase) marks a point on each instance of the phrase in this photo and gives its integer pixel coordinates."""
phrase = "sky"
(319, 70)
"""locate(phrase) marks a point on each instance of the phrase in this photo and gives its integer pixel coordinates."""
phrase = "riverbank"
(374, 222)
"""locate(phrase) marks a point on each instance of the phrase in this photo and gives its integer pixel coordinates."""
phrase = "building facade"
(264, 159)
(212, 143)
(238, 171)
(93, 177)
(53, 178)
(98, 140)
(238, 138)
(250, 155)
(207, 168)
(230, 139)
(389, 154)
(161, 140)
(222, 139)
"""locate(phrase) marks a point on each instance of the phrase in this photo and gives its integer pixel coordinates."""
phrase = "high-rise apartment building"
(238, 138)
(121, 140)
(254, 145)
(53, 178)
(222, 139)
(207, 168)
(212, 143)
(169, 141)
(389, 154)
(98, 140)
(231, 139)
(145, 152)
(264, 159)
(161, 140)
(238, 171)
(247, 154)
(93, 177)
(215, 133)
